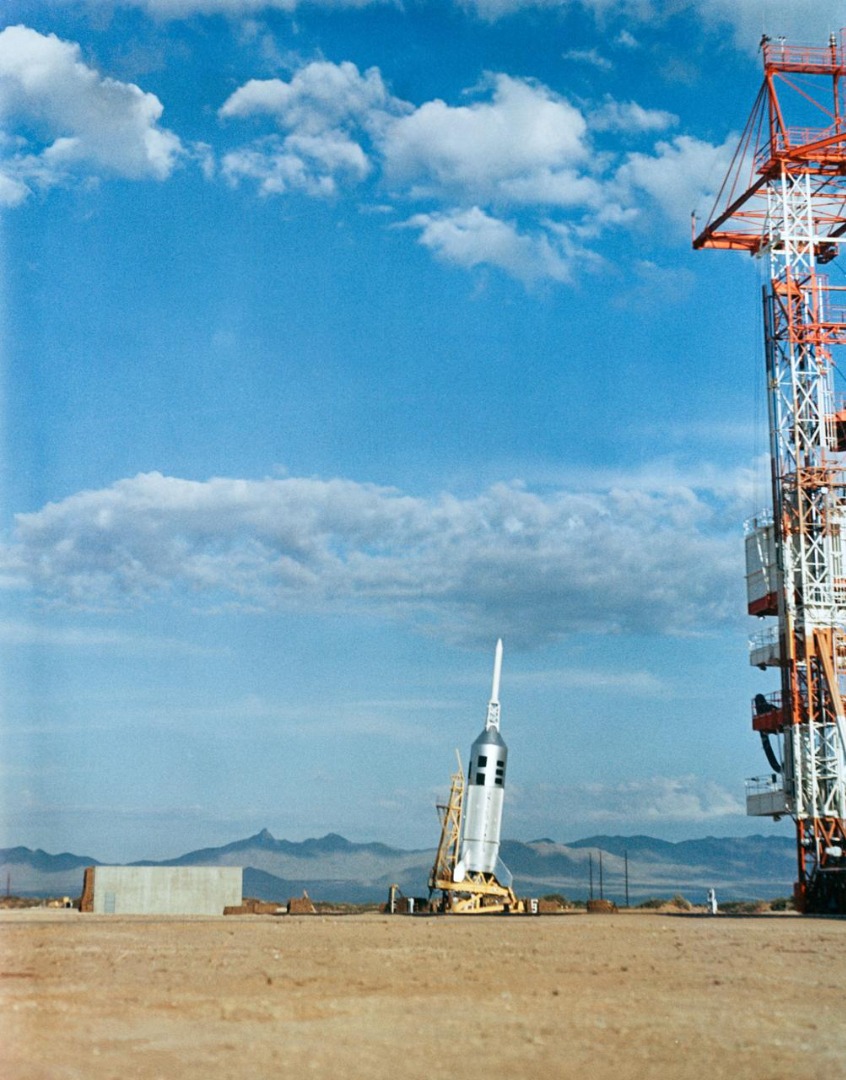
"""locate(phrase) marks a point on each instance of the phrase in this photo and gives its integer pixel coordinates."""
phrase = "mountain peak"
(331, 842)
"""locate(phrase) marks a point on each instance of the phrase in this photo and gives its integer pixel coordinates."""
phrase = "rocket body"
(483, 802)
(482, 814)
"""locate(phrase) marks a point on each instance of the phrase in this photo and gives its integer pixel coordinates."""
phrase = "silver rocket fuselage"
(483, 802)
(482, 814)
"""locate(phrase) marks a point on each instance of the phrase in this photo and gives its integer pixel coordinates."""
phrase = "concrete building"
(161, 890)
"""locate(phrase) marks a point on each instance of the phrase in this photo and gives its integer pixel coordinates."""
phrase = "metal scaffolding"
(784, 199)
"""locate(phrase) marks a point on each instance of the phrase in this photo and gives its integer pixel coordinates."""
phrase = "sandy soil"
(588, 996)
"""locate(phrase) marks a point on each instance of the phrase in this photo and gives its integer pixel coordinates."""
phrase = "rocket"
(482, 815)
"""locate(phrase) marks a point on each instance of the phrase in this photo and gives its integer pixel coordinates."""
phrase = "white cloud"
(525, 130)
(628, 116)
(522, 147)
(588, 56)
(802, 21)
(539, 566)
(313, 164)
(642, 803)
(517, 147)
(12, 192)
(680, 176)
(514, 179)
(626, 40)
(72, 120)
(525, 145)
(473, 238)
(321, 96)
(326, 113)
(688, 799)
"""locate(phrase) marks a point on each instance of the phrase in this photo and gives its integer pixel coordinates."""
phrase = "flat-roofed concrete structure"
(161, 890)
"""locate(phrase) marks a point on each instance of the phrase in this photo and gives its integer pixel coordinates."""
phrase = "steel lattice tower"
(784, 199)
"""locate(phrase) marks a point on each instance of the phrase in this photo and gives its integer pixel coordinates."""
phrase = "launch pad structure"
(477, 893)
(467, 869)
(784, 200)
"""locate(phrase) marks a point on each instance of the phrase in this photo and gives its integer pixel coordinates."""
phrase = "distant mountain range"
(334, 869)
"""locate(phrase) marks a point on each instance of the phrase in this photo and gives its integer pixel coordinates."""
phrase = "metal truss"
(791, 208)
(446, 857)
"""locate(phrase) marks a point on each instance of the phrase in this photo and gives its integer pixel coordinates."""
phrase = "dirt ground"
(631, 995)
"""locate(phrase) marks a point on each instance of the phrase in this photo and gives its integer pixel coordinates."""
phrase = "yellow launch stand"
(476, 893)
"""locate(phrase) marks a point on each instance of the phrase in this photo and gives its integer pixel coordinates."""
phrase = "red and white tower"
(784, 200)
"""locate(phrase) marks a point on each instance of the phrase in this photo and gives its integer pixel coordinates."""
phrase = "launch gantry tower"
(784, 199)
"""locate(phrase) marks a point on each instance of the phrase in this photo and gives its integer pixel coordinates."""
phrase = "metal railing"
(764, 785)
(759, 521)
(828, 57)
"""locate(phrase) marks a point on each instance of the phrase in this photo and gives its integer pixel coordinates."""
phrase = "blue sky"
(339, 340)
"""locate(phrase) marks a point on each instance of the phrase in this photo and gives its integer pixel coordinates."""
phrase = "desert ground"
(628, 995)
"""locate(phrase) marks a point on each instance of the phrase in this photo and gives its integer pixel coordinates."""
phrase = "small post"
(590, 857)
(601, 894)
(626, 857)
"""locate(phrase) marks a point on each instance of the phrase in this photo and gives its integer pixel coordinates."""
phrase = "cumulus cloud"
(312, 164)
(321, 96)
(473, 238)
(541, 565)
(628, 116)
(326, 114)
(524, 129)
(681, 175)
(71, 120)
(516, 177)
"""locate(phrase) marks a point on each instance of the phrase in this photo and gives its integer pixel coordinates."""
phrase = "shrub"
(745, 907)
(654, 903)
(557, 898)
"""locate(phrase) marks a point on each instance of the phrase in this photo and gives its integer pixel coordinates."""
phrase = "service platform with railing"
(766, 797)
